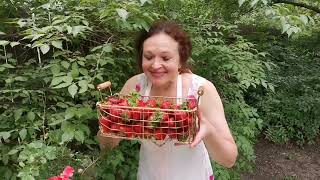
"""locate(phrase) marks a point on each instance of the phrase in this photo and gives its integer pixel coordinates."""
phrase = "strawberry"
(115, 114)
(126, 115)
(123, 102)
(115, 128)
(105, 123)
(192, 102)
(173, 133)
(152, 103)
(113, 100)
(138, 130)
(165, 105)
(160, 134)
(128, 131)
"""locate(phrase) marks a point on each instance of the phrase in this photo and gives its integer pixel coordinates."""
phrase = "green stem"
(5, 54)
(39, 57)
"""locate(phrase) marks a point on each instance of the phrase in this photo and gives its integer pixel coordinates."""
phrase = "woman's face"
(160, 59)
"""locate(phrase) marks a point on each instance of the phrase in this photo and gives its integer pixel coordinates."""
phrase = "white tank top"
(170, 162)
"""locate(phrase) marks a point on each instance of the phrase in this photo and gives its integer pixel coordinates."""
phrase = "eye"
(148, 57)
(166, 58)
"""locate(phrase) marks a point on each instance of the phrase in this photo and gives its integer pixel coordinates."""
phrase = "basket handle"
(200, 91)
(104, 85)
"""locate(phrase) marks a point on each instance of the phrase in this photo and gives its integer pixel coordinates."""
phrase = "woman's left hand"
(204, 131)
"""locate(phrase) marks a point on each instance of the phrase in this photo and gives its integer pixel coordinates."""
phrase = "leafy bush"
(53, 54)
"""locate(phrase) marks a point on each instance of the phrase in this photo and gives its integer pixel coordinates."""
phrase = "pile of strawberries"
(148, 118)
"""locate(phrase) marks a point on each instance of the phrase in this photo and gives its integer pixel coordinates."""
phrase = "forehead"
(160, 43)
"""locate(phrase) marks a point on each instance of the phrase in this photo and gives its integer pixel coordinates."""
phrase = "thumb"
(197, 139)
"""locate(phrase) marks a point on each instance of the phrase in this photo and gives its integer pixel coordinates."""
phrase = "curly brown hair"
(176, 32)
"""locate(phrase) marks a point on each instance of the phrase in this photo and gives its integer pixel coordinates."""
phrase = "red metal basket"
(155, 118)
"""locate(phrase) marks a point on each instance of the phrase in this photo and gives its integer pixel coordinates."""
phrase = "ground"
(285, 162)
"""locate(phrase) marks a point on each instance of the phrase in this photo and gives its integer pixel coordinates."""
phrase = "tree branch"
(296, 3)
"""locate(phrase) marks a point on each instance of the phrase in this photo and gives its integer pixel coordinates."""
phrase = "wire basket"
(154, 118)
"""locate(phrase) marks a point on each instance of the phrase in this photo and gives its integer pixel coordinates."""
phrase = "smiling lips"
(157, 74)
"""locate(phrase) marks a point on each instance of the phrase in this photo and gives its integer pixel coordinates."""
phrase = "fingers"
(197, 139)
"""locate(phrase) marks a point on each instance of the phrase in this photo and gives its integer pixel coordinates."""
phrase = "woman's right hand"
(107, 142)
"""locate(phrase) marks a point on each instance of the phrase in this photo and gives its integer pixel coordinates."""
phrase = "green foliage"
(53, 53)
(291, 113)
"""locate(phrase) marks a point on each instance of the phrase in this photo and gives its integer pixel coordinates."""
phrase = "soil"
(285, 162)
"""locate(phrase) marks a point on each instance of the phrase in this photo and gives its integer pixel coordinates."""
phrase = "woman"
(163, 54)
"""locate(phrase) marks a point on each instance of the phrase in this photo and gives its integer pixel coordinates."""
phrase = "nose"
(156, 64)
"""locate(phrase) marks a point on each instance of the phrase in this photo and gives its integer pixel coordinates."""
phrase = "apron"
(170, 162)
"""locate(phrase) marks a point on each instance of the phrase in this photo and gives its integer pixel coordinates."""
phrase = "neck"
(168, 89)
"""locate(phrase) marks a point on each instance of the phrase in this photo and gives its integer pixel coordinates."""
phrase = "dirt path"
(286, 162)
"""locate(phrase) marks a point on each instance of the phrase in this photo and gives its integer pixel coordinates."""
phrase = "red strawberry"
(128, 131)
(160, 134)
(173, 133)
(192, 102)
(113, 100)
(171, 122)
(123, 102)
(115, 128)
(137, 128)
(115, 114)
(152, 103)
(165, 105)
(105, 123)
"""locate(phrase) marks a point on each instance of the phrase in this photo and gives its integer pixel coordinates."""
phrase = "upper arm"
(212, 110)
(129, 85)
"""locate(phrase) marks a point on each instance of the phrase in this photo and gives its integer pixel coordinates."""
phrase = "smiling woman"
(163, 52)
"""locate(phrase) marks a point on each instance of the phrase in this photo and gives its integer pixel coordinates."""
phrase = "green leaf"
(67, 79)
(79, 136)
(285, 27)
(23, 133)
(13, 151)
(57, 44)
(44, 48)
(17, 114)
(7, 66)
(241, 2)
(20, 78)
(83, 71)
(107, 48)
(122, 13)
(253, 3)
(304, 19)
(65, 64)
(142, 2)
(67, 136)
(75, 70)
(56, 81)
(4, 43)
(69, 114)
(84, 86)
(62, 85)
(57, 122)
(31, 116)
(5, 135)
(110, 177)
(12, 44)
(51, 152)
(55, 69)
(73, 90)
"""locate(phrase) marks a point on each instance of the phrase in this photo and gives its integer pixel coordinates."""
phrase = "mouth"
(157, 74)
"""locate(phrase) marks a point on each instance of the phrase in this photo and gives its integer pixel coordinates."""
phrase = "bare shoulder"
(130, 84)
